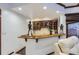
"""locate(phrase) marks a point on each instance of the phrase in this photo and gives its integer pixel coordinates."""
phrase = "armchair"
(64, 46)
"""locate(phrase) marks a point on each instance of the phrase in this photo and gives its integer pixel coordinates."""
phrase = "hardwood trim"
(72, 20)
(73, 6)
(68, 6)
(71, 54)
(25, 48)
(18, 52)
(66, 30)
(61, 5)
(0, 31)
(11, 53)
(50, 53)
(21, 51)
(71, 14)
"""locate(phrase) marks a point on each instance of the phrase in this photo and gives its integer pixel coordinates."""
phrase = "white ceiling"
(13, 5)
(70, 4)
(31, 10)
(10, 5)
(36, 11)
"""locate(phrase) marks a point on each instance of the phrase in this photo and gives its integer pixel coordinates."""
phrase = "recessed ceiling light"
(19, 8)
(57, 11)
(44, 7)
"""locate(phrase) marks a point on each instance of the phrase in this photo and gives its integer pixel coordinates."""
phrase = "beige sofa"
(67, 46)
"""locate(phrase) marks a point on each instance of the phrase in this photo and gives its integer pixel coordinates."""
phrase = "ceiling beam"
(72, 17)
(61, 5)
(71, 14)
(68, 6)
(72, 22)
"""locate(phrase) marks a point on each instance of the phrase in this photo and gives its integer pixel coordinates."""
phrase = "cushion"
(57, 49)
(75, 49)
(74, 39)
(64, 47)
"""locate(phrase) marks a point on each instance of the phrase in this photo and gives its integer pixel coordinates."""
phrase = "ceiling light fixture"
(19, 8)
(57, 11)
(44, 7)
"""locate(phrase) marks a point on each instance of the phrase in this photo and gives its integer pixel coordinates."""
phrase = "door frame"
(0, 31)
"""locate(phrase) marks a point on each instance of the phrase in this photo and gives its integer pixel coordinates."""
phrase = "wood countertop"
(39, 36)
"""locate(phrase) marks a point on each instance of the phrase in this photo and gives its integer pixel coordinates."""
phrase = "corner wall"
(13, 25)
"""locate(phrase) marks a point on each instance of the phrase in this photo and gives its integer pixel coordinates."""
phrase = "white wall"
(45, 46)
(13, 25)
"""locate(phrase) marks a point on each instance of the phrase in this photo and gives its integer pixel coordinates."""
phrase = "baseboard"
(11, 53)
(50, 53)
(24, 54)
(21, 51)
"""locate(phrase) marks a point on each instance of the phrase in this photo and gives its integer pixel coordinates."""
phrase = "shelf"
(39, 36)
